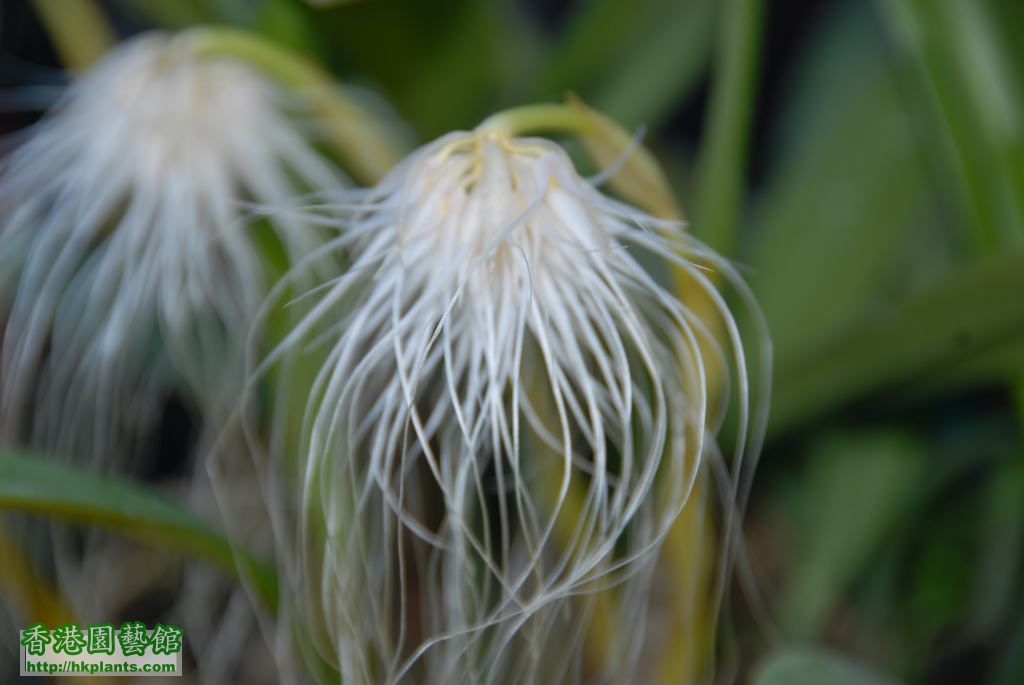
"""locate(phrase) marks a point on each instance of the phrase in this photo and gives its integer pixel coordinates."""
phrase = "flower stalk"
(637, 175)
(367, 149)
(78, 29)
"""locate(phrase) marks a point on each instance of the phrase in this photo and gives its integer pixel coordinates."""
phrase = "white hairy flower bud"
(496, 345)
(128, 270)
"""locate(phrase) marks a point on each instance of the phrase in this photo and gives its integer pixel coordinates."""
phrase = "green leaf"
(172, 14)
(720, 195)
(857, 488)
(814, 667)
(597, 34)
(961, 80)
(848, 219)
(987, 368)
(443, 65)
(1010, 669)
(1000, 518)
(632, 60)
(972, 313)
(290, 25)
(38, 485)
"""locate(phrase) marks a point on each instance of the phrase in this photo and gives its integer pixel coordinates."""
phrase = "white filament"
(126, 263)
(129, 273)
(507, 415)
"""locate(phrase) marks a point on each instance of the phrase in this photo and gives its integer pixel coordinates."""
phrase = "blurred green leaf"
(1010, 670)
(172, 14)
(598, 33)
(848, 217)
(962, 76)
(288, 23)
(969, 314)
(720, 195)
(941, 570)
(857, 488)
(459, 81)
(986, 368)
(631, 59)
(443, 65)
(928, 585)
(330, 3)
(41, 486)
(814, 667)
(999, 566)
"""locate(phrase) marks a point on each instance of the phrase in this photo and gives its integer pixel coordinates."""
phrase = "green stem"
(546, 118)
(368, 148)
(78, 29)
(639, 179)
(723, 158)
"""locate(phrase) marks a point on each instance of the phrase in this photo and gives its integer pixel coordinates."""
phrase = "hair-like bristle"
(497, 346)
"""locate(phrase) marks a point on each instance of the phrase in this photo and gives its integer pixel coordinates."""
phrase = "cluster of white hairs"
(130, 273)
(127, 269)
(504, 408)
(507, 414)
